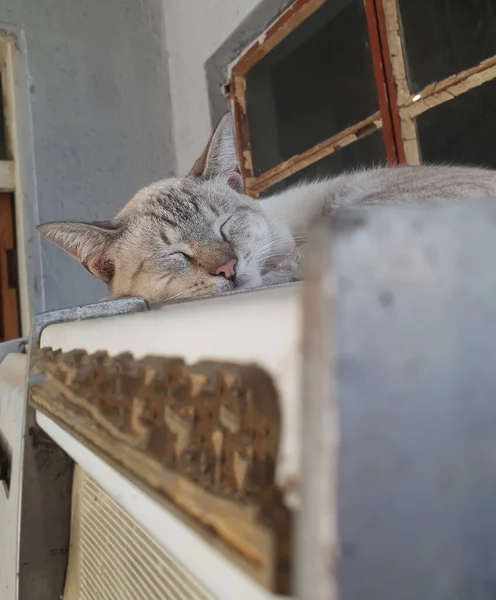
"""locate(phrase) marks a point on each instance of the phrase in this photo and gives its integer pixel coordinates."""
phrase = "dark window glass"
(444, 37)
(369, 151)
(316, 82)
(462, 130)
(3, 148)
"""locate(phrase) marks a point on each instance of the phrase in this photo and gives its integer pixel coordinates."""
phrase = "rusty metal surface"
(16, 346)
(108, 308)
(413, 345)
(204, 436)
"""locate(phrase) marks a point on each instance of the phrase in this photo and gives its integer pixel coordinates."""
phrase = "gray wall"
(195, 30)
(247, 31)
(101, 116)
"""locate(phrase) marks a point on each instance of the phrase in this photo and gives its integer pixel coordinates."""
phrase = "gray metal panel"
(416, 373)
(316, 522)
(415, 347)
(13, 346)
(235, 292)
(109, 308)
(46, 479)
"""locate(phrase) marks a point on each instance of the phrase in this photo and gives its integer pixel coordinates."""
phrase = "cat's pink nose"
(227, 270)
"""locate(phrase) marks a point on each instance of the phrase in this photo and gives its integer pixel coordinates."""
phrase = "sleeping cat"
(200, 234)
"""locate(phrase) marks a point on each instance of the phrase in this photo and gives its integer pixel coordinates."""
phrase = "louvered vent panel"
(118, 560)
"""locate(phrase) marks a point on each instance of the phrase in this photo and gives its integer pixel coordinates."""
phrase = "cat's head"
(178, 237)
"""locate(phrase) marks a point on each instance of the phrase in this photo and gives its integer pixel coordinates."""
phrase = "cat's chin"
(248, 282)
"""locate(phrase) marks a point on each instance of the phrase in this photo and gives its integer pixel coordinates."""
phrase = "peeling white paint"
(259, 40)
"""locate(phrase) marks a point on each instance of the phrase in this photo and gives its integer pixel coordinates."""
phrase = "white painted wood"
(222, 578)
(12, 381)
(317, 548)
(3, 53)
(17, 81)
(260, 327)
(7, 176)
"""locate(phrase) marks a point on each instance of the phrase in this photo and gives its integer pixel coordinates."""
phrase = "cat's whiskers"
(263, 254)
(139, 252)
(177, 296)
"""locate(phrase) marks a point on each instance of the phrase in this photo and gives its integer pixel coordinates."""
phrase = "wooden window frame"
(398, 106)
(7, 166)
(411, 105)
(9, 300)
(386, 118)
(9, 292)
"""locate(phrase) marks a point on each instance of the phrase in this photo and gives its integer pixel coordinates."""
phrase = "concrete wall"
(195, 30)
(119, 98)
(101, 111)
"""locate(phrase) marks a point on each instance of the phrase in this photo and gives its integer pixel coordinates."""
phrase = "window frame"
(18, 175)
(9, 297)
(435, 93)
(384, 118)
(398, 106)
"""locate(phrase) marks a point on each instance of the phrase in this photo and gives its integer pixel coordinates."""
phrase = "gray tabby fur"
(170, 239)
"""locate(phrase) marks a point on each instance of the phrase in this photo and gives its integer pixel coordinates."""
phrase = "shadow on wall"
(102, 121)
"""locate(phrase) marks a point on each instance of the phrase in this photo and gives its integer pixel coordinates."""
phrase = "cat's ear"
(88, 243)
(219, 159)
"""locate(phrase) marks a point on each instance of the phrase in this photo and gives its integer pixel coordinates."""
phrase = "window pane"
(444, 37)
(462, 130)
(316, 82)
(369, 151)
(3, 148)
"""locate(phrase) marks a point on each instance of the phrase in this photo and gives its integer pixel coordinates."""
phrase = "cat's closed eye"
(183, 254)
(223, 232)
